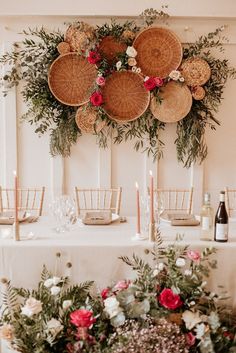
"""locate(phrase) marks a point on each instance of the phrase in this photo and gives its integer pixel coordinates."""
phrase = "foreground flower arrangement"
(167, 308)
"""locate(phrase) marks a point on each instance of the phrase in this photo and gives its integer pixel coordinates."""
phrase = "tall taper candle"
(151, 199)
(138, 229)
(16, 218)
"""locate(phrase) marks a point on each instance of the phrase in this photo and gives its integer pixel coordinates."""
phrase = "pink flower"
(150, 84)
(170, 300)
(194, 255)
(190, 339)
(96, 99)
(94, 57)
(104, 293)
(123, 284)
(82, 318)
(159, 81)
(100, 81)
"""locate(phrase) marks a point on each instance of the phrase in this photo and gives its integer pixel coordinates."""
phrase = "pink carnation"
(104, 293)
(123, 284)
(100, 81)
(82, 318)
(190, 339)
(194, 255)
(159, 81)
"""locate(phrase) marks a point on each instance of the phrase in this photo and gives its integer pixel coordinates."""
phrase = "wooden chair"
(98, 199)
(230, 201)
(30, 199)
(176, 200)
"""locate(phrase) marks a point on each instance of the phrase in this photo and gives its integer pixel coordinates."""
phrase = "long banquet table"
(93, 252)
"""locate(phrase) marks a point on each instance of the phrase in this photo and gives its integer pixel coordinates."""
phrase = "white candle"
(138, 231)
(151, 198)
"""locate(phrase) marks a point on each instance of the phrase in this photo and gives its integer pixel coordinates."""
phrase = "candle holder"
(16, 231)
(152, 232)
(139, 236)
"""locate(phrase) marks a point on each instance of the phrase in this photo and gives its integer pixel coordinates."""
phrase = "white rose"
(192, 303)
(56, 280)
(112, 307)
(54, 327)
(155, 272)
(161, 266)
(55, 290)
(48, 283)
(175, 75)
(200, 331)
(191, 319)
(181, 79)
(118, 320)
(32, 306)
(118, 65)
(130, 51)
(6, 332)
(180, 262)
(66, 304)
(188, 272)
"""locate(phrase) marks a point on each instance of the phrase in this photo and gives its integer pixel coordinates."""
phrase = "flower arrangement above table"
(166, 308)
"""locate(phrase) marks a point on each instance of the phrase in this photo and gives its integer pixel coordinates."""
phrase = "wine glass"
(159, 206)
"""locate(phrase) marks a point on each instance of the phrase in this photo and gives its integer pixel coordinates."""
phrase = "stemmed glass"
(63, 210)
(159, 206)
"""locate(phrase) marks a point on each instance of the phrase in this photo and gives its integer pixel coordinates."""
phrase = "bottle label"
(206, 223)
(221, 231)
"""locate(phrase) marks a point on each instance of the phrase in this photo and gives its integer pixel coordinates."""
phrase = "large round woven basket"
(175, 104)
(159, 51)
(71, 78)
(196, 71)
(110, 47)
(125, 97)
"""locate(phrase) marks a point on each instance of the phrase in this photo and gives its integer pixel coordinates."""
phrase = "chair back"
(98, 199)
(29, 199)
(230, 201)
(179, 200)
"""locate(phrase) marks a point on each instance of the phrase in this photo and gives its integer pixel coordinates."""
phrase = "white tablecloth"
(94, 251)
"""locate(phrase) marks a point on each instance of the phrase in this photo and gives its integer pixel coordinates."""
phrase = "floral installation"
(166, 308)
(30, 60)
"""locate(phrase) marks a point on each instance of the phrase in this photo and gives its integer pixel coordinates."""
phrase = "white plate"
(8, 218)
(168, 216)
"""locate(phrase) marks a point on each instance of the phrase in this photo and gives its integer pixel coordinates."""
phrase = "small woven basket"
(196, 71)
(125, 97)
(71, 78)
(175, 105)
(159, 51)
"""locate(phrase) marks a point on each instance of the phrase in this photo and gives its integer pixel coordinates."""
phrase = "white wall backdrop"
(119, 165)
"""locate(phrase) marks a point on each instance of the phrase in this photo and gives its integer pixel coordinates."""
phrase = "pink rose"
(170, 300)
(82, 318)
(96, 99)
(150, 84)
(159, 81)
(190, 339)
(194, 255)
(123, 284)
(104, 293)
(100, 81)
(93, 57)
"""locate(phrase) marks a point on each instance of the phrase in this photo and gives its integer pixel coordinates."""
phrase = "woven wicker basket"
(198, 93)
(63, 48)
(110, 47)
(159, 51)
(196, 71)
(125, 97)
(71, 78)
(176, 103)
(78, 36)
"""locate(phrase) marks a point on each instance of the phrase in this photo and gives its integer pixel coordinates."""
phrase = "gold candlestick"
(152, 231)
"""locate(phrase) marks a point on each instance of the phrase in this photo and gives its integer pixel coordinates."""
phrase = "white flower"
(6, 332)
(134, 68)
(66, 304)
(161, 266)
(200, 331)
(175, 75)
(56, 280)
(138, 71)
(155, 272)
(130, 51)
(54, 327)
(32, 306)
(191, 319)
(180, 262)
(192, 303)
(204, 283)
(118, 65)
(55, 290)
(181, 79)
(146, 78)
(112, 307)
(48, 283)
(132, 62)
(188, 272)
(118, 320)
(214, 321)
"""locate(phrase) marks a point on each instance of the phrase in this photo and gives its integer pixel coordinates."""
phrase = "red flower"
(228, 335)
(94, 57)
(96, 99)
(82, 318)
(104, 293)
(170, 300)
(159, 81)
(150, 84)
(194, 255)
(190, 339)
